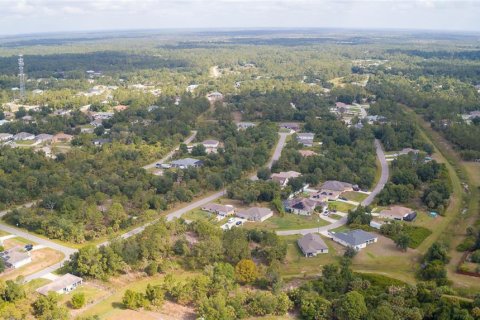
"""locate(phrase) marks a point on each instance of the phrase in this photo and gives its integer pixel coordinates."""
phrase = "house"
(290, 126)
(62, 137)
(96, 123)
(357, 239)
(102, 115)
(305, 138)
(398, 213)
(5, 136)
(255, 214)
(301, 206)
(192, 87)
(376, 224)
(44, 137)
(337, 186)
(211, 146)
(64, 284)
(215, 96)
(100, 142)
(245, 125)
(376, 119)
(28, 118)
(312, 244)
(307, 153)
(219, 209)
(405, 151)
(23, 136)
(186, 163)
(283, 177)
(16, 257)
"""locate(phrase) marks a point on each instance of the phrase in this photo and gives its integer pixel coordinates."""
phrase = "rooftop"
(355, 237)
(255, 212)
(311, 243)
(59, 283)
(336, 185)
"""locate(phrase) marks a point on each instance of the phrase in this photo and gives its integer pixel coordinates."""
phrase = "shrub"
(78, 300)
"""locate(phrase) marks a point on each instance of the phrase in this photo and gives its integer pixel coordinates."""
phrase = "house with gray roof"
(312, 244)
(305, 138)
(5, 136)
(186, 163)
(245, 125)
(357, 239)
(16, 257)
(64, 284)
(255, 214)
(44, 137)
(23, 136)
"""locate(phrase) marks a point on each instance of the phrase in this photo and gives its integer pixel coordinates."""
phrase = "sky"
(39, 16)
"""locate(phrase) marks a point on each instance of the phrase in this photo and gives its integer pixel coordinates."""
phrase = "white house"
(283, 177)
(61, 285)
(312, 244)
(255, 214)
(5, 136)
(23, 136)
(16, 257)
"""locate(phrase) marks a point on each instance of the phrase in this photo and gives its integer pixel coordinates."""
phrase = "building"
(283, 177)
(23, 136)
(100, 142)
(62, 137)
(16, 257)
(398, 213)
(5, 136)
(301, 206)
(337, 186)
(211, 146)
(186, 163)
(64, 284)
(407, 151)
(219, 209)
(290, 126)
(305, 138)
(307, 153)
(191, 88)
(255, 214)
(357, 239)
(215, 96)
(245, 125)
(44, 137)
(376, 224)
(312, 244)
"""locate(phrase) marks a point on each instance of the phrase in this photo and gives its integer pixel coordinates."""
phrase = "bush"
(152, 268)
(466, 244)
(78, 300)
(475, 256)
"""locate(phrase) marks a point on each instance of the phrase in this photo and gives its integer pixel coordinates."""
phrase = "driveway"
(171, 153)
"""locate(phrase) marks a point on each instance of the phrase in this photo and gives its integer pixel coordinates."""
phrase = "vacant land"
(340, 206)
(355, 196)
(288, 222)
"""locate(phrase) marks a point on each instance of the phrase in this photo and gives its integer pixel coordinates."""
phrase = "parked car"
(28, 247)
(343, 198)
(238, 223)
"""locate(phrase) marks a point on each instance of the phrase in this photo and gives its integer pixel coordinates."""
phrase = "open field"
(355, 196)
(288, 222)
(296, 265)
(340, 206)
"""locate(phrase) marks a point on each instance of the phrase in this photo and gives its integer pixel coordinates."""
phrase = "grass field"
(340, 206)
(417, 235)
(355, 196)
(195, 215)
(335, 216)
(288, 222)
(296, 265)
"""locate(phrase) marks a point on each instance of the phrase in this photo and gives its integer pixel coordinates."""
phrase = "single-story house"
(290, 126)
(283, 177)
(16, 257)
(64, 284)
(305, 138)
(62, 137)
(255, 214)
(245, 125)
(307, 153)
(301, 206)
(102, 115)
(376, 224)
(186, 163)
(44, 137)
(398, 213)
(312, 244)
(101, 141)
(96, 123)
(215, 96)
(221, 210)
(5, 136)
(23, 136)
(405, 151)
(337, 186)
(211, 145)
(357, 239)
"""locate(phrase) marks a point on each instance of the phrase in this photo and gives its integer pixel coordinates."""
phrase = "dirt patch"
(40, 260)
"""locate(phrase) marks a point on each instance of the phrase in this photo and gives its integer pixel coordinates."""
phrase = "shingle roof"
(355, 237)
(15, 255)
(254, 212)
(186, 162)
(311, 243)
(335, 185)
(59, 283)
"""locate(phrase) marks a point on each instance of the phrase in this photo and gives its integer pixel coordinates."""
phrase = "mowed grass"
(340, 206)
(297, 265)
(288, 222)
(355, 196)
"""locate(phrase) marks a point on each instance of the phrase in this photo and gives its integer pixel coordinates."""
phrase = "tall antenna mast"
(21, 75)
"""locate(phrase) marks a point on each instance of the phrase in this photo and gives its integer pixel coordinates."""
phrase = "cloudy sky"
(34, 16)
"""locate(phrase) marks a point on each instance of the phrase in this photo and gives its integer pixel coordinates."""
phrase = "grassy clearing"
(335, 216)
(297, 265)
(288, 222)
(417, 235)
(340, 206)
(355, 196)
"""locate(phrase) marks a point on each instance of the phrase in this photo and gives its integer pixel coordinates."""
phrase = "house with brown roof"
(62, 137)
(398, 213)
(312, 244)
(255, 214)
(302, 206)
(282, 178)
(64, 284)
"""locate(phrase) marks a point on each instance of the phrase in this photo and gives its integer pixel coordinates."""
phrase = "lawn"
(340, 206)
(288, 222)
(40, 260)
(297, 265)
(335, 216)
(355, 196)
(17, 241)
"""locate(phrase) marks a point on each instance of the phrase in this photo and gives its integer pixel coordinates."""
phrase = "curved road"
(378, 187)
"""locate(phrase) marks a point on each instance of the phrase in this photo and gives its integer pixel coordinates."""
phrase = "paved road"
(380, 185)
(278, 149)
(26, 205)
(171, 153)
(383, 177)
